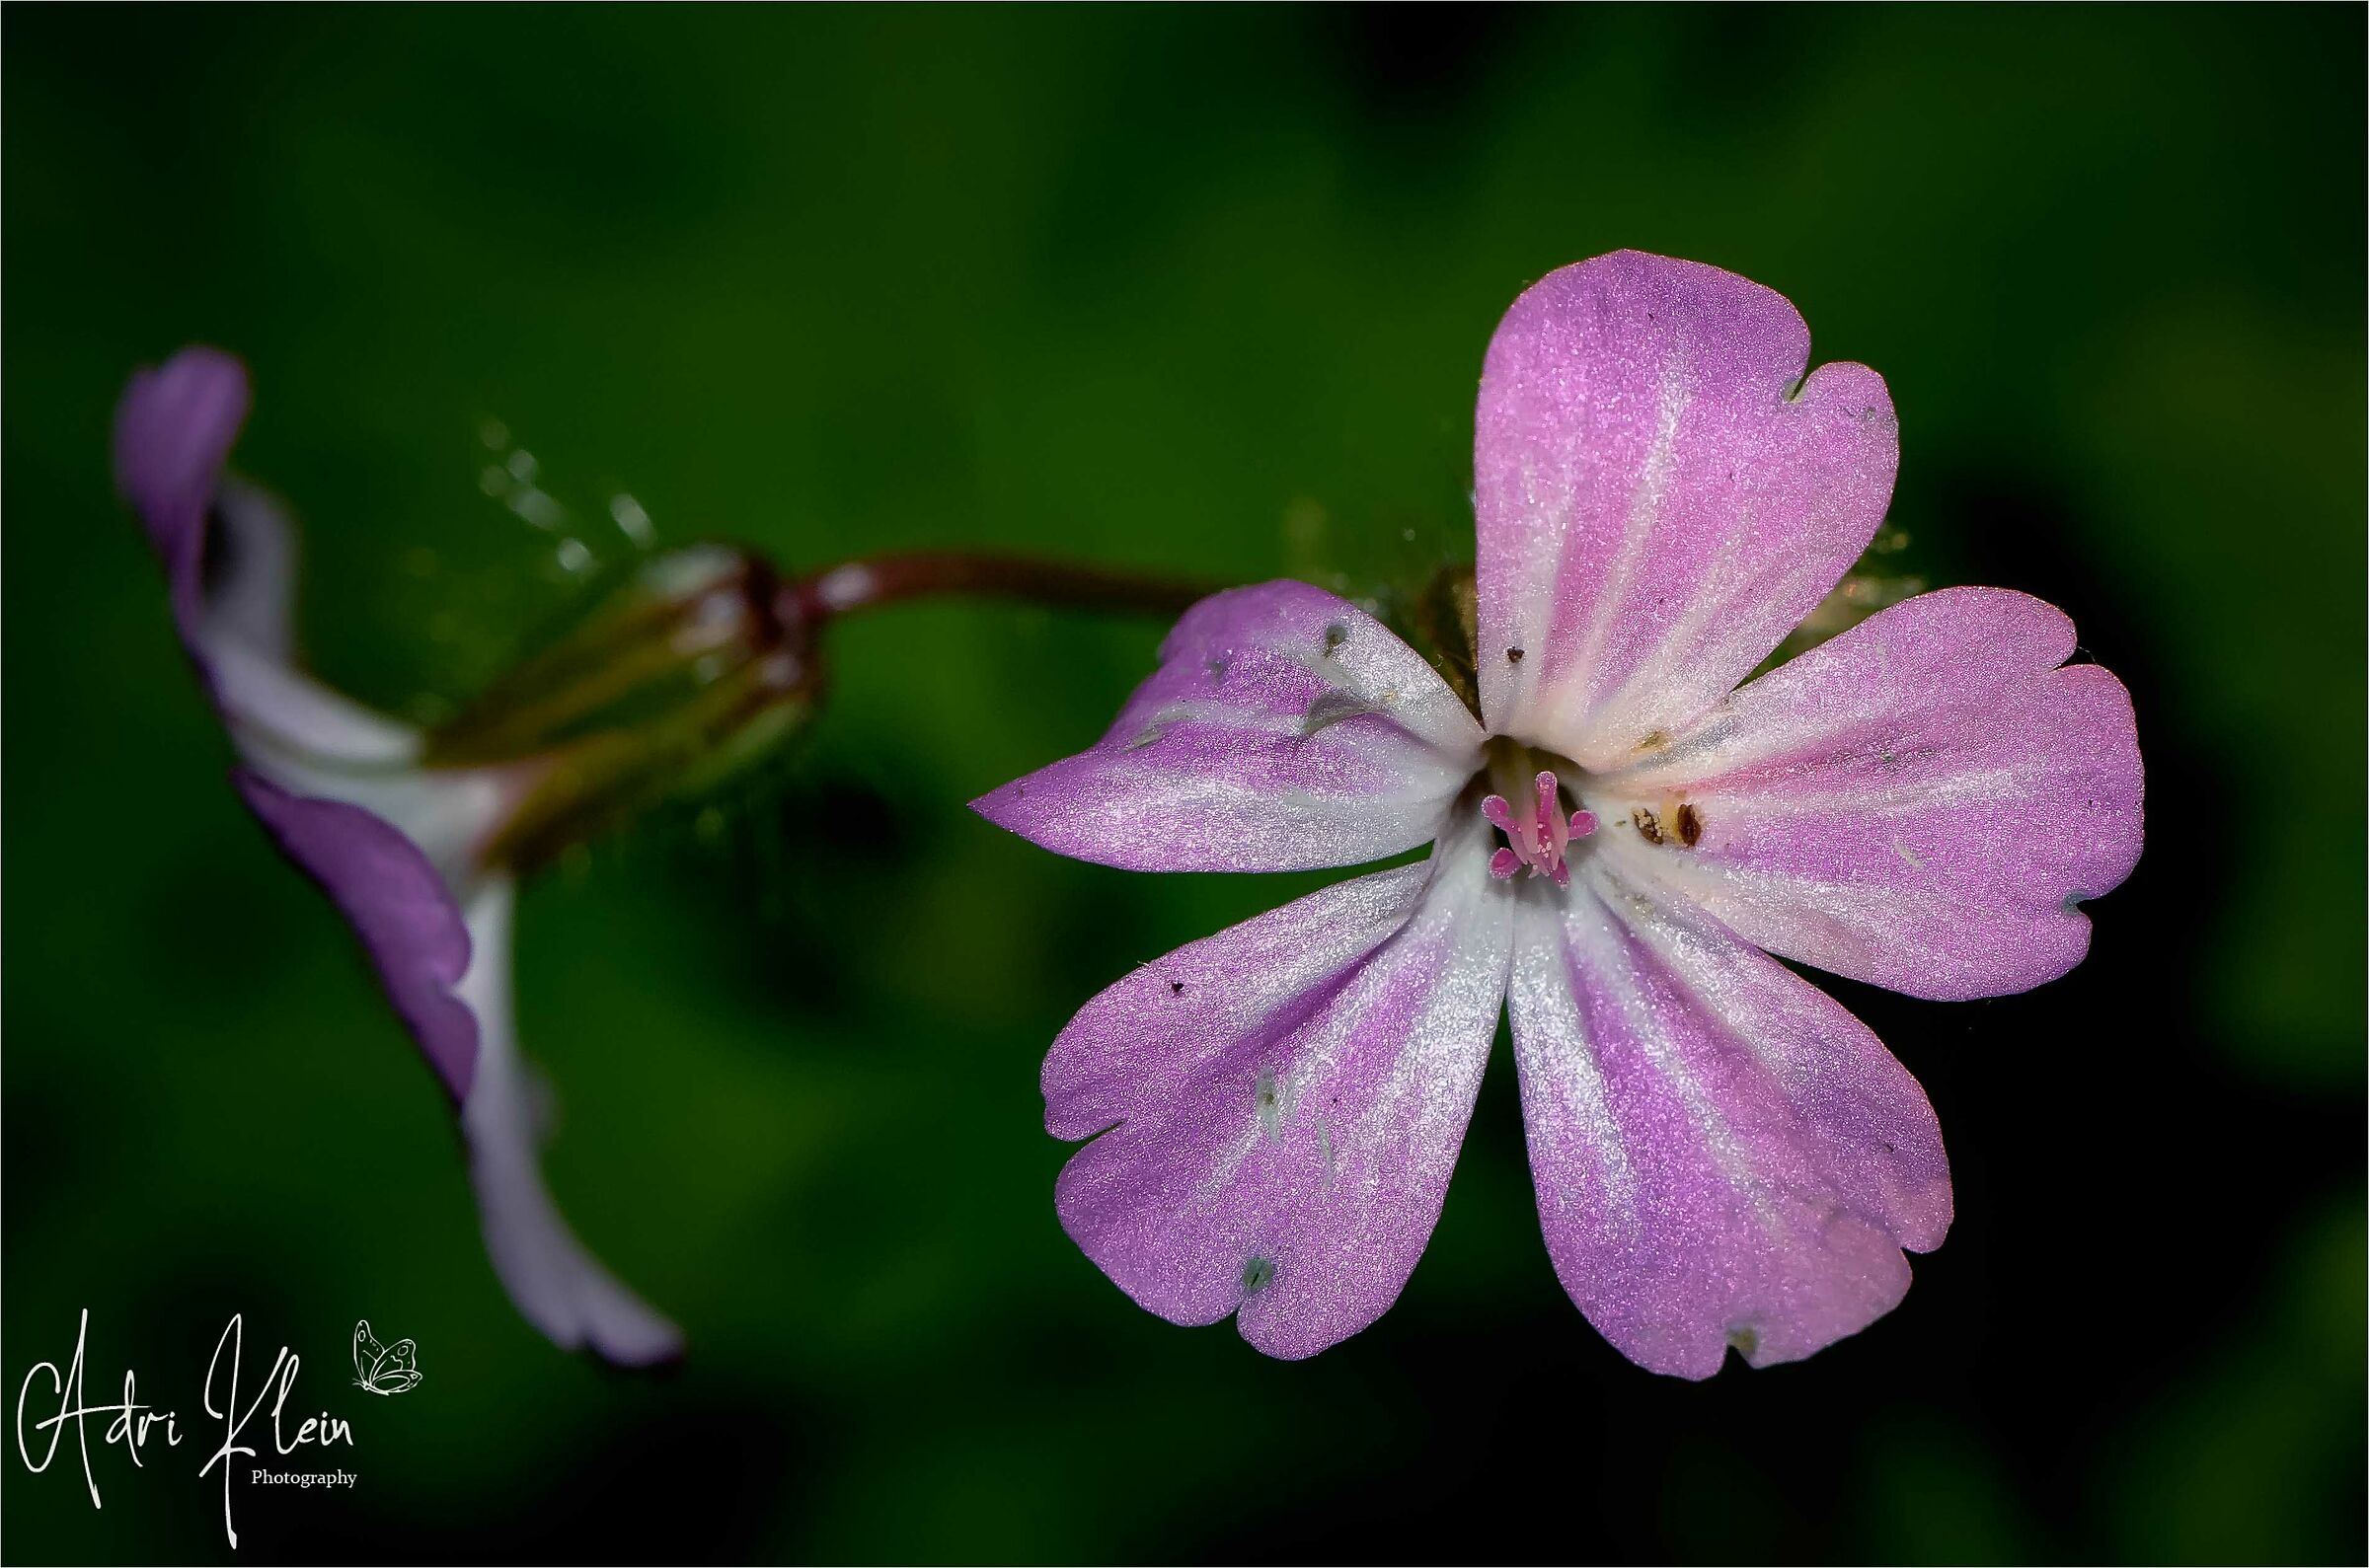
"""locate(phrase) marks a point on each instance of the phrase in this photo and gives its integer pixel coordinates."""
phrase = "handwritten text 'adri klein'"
(133, 1424)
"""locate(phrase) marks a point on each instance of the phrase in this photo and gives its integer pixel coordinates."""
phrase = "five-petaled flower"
(416, 841)
(1724, 1156)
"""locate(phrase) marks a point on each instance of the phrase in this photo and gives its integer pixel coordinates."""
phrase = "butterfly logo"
(384, 1368)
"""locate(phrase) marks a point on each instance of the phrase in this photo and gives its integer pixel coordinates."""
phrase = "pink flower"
(403, 848)
(1723, 1155)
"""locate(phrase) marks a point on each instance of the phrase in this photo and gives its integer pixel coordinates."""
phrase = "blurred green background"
(1203, 291)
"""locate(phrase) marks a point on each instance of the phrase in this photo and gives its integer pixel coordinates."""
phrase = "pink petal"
(1661, 496)
(398, 907)
(175, 426)
(242, 638)
(1284, 729)
(1289, 1096)
(558, 1286)
(230, 566)
(1725, 1157)
(1919, 804)
(447, 975)
(329, 779)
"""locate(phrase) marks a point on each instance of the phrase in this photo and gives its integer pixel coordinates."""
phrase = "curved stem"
(926, 573)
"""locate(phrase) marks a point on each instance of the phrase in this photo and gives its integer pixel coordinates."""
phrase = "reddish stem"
(924, 573)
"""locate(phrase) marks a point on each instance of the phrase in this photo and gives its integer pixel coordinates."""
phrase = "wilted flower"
(1724, 1156)
(418, 837)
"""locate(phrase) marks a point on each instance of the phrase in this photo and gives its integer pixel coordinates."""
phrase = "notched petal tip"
(1725, 1157)
(1911, 802)
(1857, 392)
(1661, 494)
(1273, 1157)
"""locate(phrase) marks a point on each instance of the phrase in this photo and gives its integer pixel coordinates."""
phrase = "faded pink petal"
(557, 1285)
(1919, 804)
(393, 847)
(1661, 496)
(243, 639)
(1289, 1097)
(1284, 729)
(446, 974)
(1723, 1155)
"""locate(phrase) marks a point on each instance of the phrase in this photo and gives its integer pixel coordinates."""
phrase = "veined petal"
(1661, 496)
(1284, 729)
(556, 1284)
(1920, 802)
(230, 564)
(1725, 1157)
(1290, 1095)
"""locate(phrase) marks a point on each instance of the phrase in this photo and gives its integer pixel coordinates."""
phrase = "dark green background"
(1206, 291)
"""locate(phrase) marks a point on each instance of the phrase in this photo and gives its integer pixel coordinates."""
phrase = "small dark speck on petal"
(1175, 988)
(1513, 655)
(1257, 1274)
(1335, 635)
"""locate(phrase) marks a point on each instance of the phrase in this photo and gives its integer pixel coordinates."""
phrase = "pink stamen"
(1540, 836)
(1500, 814)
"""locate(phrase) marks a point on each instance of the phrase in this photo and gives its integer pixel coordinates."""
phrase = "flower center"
(1538, 834)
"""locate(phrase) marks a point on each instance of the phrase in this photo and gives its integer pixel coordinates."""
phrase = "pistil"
(1536, 832)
